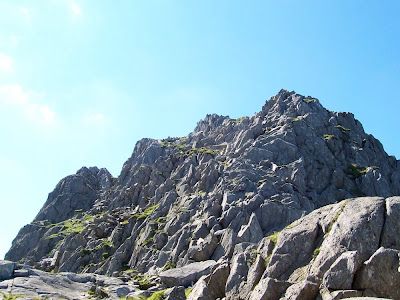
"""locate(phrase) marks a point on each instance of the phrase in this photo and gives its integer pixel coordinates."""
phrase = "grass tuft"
(328, 137)
(147, 212)
(342, 128)
(274, 237)
(316, 252)
(309, 100)
(10, 296)
(357, 171)
(188, 291)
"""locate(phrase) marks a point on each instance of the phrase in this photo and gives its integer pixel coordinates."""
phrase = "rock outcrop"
(225, 195)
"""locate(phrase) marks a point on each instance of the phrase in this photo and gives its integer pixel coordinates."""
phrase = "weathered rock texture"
(219, 194)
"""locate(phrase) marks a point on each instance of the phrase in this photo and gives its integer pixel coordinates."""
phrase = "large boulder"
(188, 274)
(212, 286)
(6, 269)
(269, 289)
(340, 274)
(380, 275)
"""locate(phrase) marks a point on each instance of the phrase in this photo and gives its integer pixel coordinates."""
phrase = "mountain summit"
(212, 209)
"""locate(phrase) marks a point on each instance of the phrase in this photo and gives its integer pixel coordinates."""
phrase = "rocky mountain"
(214, 211)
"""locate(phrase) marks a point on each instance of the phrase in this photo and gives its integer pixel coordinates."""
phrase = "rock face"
(227, 193)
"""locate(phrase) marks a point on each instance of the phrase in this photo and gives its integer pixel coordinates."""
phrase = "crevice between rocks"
(384, 223)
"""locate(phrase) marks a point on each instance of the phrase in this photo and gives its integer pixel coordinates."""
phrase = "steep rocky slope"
(207, 201)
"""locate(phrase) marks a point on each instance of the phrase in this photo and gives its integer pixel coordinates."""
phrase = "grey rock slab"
(252, 231)
(187, 274)
(237, 276)
(305, 290)
(51, 286)
(204, 248)
(254, 275)
(269, 289)
(294, 247)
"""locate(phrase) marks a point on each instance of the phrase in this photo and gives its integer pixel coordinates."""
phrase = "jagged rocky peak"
(207, 201)
(75, 192)
(210, 122)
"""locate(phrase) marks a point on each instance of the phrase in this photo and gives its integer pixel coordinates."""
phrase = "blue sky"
(82, 81)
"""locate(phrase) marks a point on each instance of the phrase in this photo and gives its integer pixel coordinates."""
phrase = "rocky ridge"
(212, 210)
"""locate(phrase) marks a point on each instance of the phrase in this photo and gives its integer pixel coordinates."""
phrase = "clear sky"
(82, 81)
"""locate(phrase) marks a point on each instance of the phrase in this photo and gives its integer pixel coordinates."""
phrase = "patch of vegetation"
(124, 222)
(129, 272)
(297, 119)
(160, 220)
(239, 120)
(316, 252)
(188, 291)
(253, 256)
(91, 293)
(201, 193)
(357, 171)
(183, 140)
(342, 128)
(105, 255)
(147, 212)
(274, 237)
(225, 163)
(328, 137)
(159, 295)
(336, 217)
(84, 252)
(310, 100)
(166, 144)
(201, 150)
(97, 293)
(106, 243)
(144, 281)
(267, 260)
(182, 147)
(148, 241)
(71, 226)
(169, 265)
(291, 225)
(10, 296)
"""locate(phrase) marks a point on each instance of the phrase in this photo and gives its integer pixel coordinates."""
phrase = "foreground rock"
(334, 252)
(6, 269)
(28, 283)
